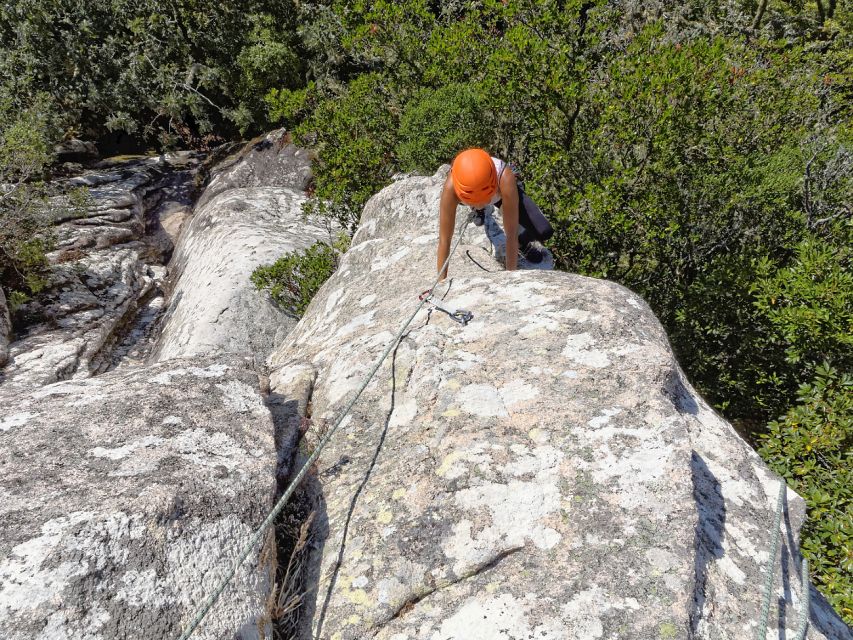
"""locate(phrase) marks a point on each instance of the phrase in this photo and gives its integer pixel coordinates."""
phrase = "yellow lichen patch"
(336, 636)
(398, 493)
(358, 596)
(452, 384)
(451, 413)
(447, 463)
(492, 587)
(353, 619)
(384, 516)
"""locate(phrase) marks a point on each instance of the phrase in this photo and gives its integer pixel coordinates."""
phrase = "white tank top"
(500, 165)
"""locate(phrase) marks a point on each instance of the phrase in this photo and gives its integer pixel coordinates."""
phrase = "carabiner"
(461, 316)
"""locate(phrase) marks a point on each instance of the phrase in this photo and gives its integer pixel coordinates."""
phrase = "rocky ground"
(138, 446)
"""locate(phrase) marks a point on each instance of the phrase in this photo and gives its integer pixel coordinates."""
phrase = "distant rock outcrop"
(543, 472)
(107, 269)
(214, 308)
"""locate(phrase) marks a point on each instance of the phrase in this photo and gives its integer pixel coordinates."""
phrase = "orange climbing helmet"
(475, 180)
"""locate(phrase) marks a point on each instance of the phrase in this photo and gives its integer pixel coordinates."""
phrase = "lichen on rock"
(542, 472)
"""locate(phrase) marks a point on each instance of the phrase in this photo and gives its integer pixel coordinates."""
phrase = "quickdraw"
(461, 316)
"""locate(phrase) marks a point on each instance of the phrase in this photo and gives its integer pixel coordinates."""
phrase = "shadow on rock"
(710, 530)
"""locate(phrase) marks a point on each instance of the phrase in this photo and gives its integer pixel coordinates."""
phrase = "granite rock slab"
(213, 306)
(544, 472)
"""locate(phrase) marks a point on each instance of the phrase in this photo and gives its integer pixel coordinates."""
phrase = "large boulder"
(213, 306)
(543, 472)
(271, 160)
(124, 497)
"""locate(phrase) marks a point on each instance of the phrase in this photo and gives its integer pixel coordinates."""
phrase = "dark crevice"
(297, 527)
(479, 569)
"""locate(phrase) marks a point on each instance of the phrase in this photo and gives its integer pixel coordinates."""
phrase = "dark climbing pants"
(533, 225)
(530, 217)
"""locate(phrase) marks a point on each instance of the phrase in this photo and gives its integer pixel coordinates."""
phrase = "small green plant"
(26, 135)
(811, 446)
(294, 279)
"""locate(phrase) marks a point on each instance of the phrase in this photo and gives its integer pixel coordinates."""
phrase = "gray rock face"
(105, 267)
(75, 150)
(213, 307)
(543, 472)
(269, 161)
(123, 497)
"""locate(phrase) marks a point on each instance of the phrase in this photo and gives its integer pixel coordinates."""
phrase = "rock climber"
(479, 180)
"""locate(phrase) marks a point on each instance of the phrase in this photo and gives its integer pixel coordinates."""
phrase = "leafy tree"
(352, 134)
(173, 69)
(437, 123)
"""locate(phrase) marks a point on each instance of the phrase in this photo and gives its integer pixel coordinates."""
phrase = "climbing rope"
(805, 596)
(282, 501)
(805, 602)
(761, 632)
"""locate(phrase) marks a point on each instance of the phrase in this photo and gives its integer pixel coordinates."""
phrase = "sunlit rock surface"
(123, 498)
(543, 473)
(269, 161)
(246, 217)
(214, 307)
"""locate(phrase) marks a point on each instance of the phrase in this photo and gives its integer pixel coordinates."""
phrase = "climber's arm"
(509, 210)
(446, 223)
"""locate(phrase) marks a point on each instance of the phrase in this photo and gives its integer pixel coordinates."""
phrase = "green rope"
(761, 632)
(805, 602)
(311, 459)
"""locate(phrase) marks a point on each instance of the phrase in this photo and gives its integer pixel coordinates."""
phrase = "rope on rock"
(805, 602)
(282, 501)
(805, 594)
(761, 632)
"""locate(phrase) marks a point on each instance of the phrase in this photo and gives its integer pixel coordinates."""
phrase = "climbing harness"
(461, 316)
(282, 501)
(805, 596)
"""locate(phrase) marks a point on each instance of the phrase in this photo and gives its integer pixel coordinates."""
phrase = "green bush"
(294, 279)
(168, 71)
(437, 124)
(354, 131)
(811, 446)
(25, 227)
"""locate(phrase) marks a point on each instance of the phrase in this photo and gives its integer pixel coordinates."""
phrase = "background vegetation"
(700, 153)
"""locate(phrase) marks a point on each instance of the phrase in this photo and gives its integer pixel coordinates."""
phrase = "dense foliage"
(182, 71)
(812, 445)
(703, 159)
